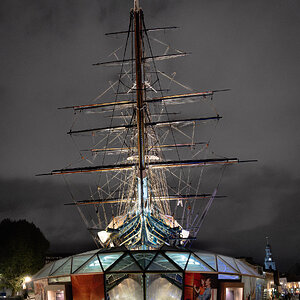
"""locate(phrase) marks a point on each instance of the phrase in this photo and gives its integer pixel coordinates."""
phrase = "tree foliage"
(22, 251)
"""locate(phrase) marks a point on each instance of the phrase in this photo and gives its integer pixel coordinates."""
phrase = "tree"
(22, 252)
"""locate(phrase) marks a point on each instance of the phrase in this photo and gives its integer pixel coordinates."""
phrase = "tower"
(269, 263)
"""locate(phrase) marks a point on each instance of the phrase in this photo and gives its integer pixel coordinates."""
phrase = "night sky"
(252, 47)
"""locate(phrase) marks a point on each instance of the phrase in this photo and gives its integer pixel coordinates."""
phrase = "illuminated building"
(269, 262)
(167, 273)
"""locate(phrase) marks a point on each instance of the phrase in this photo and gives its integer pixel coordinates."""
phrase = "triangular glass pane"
(90, 252)
(196, 264)
(58, 264)
(244, 269)
(92, 266)
(160, 263)
(127, 263)
(44, 272)
(224, 267)
(210, 259)
(143, 259)
(107, 259)
(79, 260)
(180, 258)
(64, 269)
(230, 261)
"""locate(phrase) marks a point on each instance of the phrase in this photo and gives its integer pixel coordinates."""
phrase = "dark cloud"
(47, 49)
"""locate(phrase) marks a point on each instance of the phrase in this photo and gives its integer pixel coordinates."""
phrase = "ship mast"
(140, 108)
(136, 5)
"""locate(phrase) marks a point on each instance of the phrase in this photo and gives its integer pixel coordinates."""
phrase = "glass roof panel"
(209, 258)
(228, 277)
(230, 261)
(92, 266)
(160, 263)
(79, 260)
(127, 263)
(174, 278)
(196, 264)
(244, 268)
(65, 269)
(107, 259)
(58, 264)
(44, 272)
(180, 258)
(143, 259)
(224, 267)
(90, 252)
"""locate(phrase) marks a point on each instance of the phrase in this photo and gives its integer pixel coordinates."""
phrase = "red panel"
(88, 287)
(196, 284)
(188, 286)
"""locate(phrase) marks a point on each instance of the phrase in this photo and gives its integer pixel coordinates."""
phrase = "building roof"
(165, 260)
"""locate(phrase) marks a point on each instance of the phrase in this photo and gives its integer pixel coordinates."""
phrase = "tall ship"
(148, 149)
(144, 182)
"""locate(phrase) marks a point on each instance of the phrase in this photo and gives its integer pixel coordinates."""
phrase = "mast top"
(136, 5)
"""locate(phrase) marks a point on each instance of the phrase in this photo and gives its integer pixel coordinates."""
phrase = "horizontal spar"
(98, 105)
(111, 128)
(117, 200)
(158, 99)
(162, 123)
(152, 165)
(126, 150)
(144, 59)
(172, 122)
(146, 29)
(183, 96)
(193, 163)
(120, 167)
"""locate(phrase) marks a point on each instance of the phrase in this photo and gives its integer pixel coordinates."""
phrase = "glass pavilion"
(166, 273)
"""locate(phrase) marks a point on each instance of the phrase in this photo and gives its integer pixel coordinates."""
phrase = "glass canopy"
(166, 260)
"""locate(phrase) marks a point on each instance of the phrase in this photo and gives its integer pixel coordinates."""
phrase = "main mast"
(140, 111)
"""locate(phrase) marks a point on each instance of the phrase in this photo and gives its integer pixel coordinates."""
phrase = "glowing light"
(26, 280)
(184, 234)
(103, 236)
